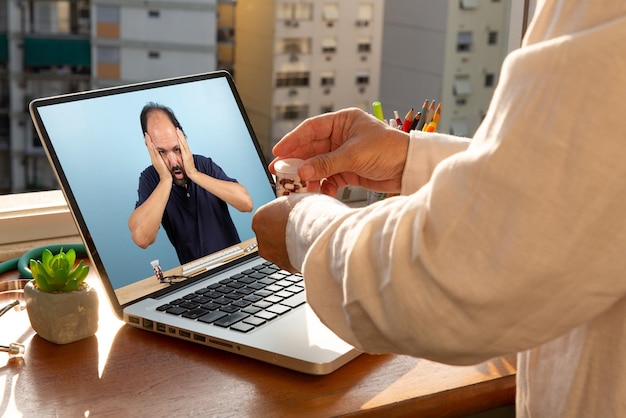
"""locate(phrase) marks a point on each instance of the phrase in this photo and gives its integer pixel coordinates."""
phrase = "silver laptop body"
(94, 143)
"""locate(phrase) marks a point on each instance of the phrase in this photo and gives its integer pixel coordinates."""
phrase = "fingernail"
(306, 171)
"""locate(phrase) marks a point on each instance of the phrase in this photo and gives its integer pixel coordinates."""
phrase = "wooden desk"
(123, 371)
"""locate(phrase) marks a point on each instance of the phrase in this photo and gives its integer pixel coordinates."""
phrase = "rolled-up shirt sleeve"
(493, 247)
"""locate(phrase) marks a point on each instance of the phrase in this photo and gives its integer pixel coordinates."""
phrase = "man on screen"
(188, 194)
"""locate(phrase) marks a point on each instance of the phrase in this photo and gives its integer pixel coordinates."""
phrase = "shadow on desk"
(149, 374)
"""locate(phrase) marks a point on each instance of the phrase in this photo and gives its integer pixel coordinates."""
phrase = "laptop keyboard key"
(176, 310)
(278, 309)
(212, 316)
(266, 315)
(295, 300)
(242, 327)
(195, 313)
(231, 319)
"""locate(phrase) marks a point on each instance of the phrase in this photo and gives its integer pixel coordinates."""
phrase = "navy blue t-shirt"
(196, 221)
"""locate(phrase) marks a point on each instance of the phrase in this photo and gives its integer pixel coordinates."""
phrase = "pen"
(378, 110)
(407, 120)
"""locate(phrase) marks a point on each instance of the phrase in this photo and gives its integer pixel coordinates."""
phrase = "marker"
(378, 111)
(397, 116)
(431, 127)
(407, 120)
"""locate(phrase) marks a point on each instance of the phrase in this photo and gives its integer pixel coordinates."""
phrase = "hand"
(157, 160)
(347, 147)
(188, 164)
(269, 224)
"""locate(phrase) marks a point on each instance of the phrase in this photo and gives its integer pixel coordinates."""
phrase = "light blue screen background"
(101, 149)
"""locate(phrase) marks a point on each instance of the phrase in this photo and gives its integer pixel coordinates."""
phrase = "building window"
(303, 11)
(292, 112)
(462, 87)
(330, 13)
(489, 79)
(492, 37)
(327, 108)
(364, 45)
(292, 79)
(329, 45)
(464, 41)
(327, 79)
(468, 4)
(362, 79)
(459, 128)
(364, 14)
(291, 13)
(293, 46)
(108, 14)
(108, 54)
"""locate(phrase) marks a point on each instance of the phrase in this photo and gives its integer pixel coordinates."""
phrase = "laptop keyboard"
(243, 301)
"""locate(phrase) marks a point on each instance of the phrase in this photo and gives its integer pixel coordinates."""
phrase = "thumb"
(321, 166)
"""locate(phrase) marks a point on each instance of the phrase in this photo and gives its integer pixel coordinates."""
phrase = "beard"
(179, 176)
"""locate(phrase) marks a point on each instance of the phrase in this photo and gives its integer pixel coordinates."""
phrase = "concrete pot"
(62, 318)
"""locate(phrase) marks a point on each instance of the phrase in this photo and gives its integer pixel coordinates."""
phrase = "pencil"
(431, 113)
(416, 120)
(422, 120)
(407, 120)
(437, 114)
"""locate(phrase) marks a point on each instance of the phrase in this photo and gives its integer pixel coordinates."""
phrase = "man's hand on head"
(188, 163)
(157, 160)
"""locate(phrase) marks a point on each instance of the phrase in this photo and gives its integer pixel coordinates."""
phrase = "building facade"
(291, 59)
(448, 51)
(295, 59)
(51, 47)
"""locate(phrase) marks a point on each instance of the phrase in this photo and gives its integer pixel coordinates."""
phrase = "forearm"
(145, 221)
(230, 192)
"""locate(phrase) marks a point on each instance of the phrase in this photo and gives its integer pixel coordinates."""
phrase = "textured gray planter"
(62, 318)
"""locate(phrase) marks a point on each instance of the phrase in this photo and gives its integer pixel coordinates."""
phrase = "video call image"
(115, 148)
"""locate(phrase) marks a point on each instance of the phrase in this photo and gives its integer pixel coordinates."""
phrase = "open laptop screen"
(96, 144)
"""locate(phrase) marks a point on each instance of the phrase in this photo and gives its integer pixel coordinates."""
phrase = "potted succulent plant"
(61, 305)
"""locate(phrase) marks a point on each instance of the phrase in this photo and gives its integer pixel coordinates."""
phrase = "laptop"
(230, 299)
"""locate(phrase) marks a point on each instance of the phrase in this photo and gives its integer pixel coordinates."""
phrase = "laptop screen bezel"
(66, 188)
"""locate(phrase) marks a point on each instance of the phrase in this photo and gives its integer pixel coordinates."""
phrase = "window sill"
(28, 220)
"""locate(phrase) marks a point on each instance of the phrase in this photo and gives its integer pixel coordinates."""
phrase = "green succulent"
(57, 273)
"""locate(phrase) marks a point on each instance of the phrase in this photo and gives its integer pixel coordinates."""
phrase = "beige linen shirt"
(515, 243)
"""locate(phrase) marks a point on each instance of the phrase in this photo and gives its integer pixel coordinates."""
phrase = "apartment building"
(50, 47)
(291, 59)
(449, 51)
(295, 59)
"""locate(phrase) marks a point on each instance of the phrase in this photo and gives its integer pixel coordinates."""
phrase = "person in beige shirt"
(513, 241)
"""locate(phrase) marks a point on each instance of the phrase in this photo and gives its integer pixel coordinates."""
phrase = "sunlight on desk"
(125, 371)
(413, 384)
